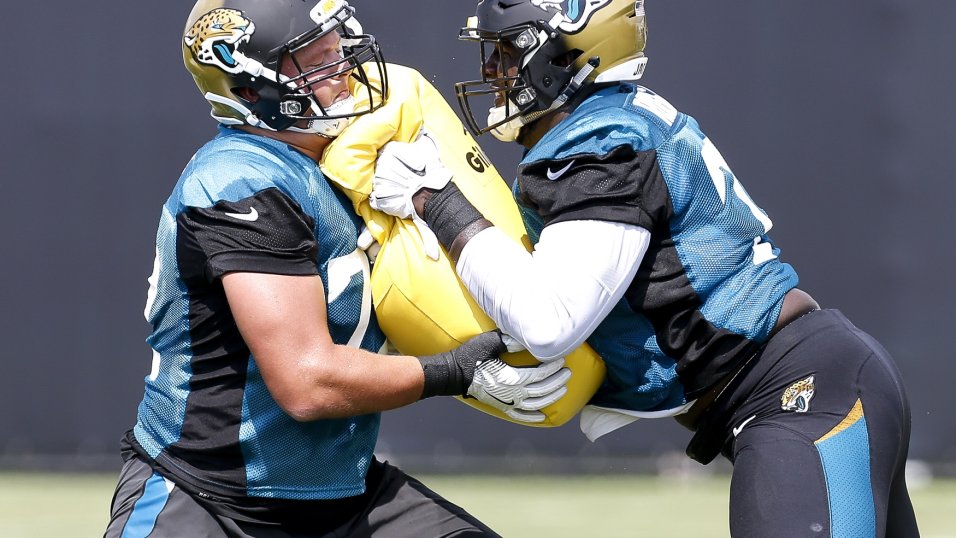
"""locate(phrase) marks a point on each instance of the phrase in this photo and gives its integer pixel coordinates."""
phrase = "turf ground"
(74, 506)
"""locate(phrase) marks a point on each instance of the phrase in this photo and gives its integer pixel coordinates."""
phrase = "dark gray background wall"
(838, 117)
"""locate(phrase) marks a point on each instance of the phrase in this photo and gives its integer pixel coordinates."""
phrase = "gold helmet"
(233, 44)
(536, 54)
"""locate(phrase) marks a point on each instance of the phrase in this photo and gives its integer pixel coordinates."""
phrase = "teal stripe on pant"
(147, 508)
(846, 465)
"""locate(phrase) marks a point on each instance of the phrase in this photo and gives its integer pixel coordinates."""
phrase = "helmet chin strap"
(329, 127)
(509, 131)
(250, 118)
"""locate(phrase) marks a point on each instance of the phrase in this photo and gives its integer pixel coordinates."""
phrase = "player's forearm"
(345, 382)
(348, 382)
(552, 300)
(523, 295)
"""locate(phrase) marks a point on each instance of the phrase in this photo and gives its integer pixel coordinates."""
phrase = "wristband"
(444, 376)
(448, 213)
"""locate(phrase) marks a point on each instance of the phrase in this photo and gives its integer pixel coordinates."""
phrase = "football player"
(261, 411)
(649, 248)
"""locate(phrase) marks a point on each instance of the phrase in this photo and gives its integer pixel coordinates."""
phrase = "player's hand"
(520, 392)
(401, 170)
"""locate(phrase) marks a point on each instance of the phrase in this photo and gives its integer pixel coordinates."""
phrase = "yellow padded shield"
(421, 305)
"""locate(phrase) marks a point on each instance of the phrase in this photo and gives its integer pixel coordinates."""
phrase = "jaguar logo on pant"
(797, 396)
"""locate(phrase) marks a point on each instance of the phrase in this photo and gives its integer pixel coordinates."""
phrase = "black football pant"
(832, 463)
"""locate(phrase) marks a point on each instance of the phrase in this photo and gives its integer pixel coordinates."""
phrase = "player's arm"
(552, 299)
(283, 321)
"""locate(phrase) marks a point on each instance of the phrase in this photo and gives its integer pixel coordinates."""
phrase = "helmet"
(536, 54)
(233, 44)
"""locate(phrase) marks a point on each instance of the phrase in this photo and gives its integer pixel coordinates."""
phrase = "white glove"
(368, 244)
(520, 392)
(401, 170)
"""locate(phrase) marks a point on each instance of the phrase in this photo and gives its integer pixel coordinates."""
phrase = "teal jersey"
(251, 204)
(711, 284)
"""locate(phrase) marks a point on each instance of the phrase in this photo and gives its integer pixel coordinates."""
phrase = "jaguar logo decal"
(215, 39)
(576, 12)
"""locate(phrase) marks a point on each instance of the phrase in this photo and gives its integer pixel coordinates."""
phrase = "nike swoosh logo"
(415, 170)
(740, 428)
(251, 216)
(555, 175)
(512, 402)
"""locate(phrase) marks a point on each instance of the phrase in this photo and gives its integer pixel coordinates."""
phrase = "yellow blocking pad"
(421, 305)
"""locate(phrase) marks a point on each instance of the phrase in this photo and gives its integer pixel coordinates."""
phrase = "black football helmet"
(536, 54)
(231, 44)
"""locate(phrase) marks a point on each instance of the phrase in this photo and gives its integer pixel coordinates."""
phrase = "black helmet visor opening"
(501, 56)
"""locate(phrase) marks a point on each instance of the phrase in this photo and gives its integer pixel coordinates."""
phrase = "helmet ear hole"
(567, 59)
(248, 95)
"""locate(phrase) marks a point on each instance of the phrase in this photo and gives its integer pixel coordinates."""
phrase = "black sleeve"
(264, 233)
(622, 185)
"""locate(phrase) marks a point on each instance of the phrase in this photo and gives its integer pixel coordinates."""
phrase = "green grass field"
(74, 506)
